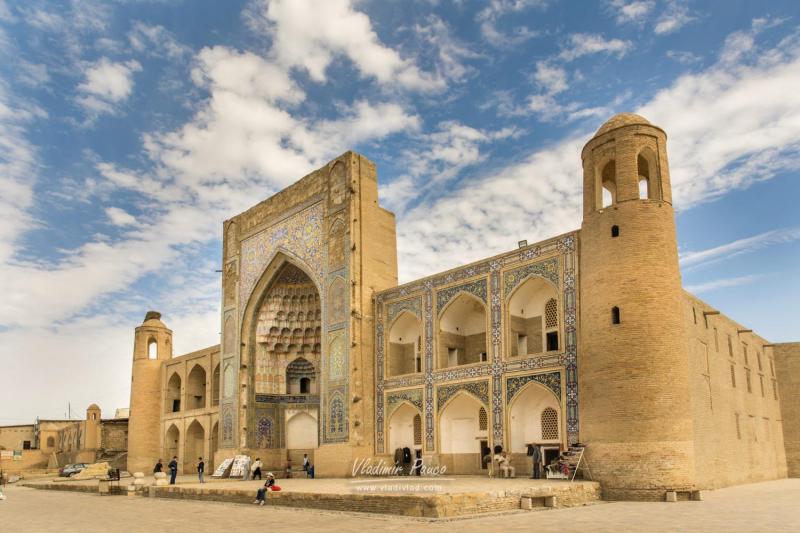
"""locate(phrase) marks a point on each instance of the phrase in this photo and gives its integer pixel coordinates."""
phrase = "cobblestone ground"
(770, 506)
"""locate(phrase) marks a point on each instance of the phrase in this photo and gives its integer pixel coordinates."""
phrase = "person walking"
(305, 463)
(256, 468)
(201, 469)
(173, 469)
(536, 457)
(158, 468)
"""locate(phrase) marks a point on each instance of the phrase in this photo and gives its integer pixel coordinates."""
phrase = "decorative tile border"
(394, 399)
(476, 288)
(547, 269)
(551, 380)
(412, 305)
(479, 389)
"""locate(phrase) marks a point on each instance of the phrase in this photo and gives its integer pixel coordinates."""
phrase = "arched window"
(615, 315)
(615, 231)
(152, 349)
(405, 356)
(462, 332)
(549, 424)
(483, 419)
(647, 171)
(608, 179)
(300, 373)
(51, 442)
(417, 430)
(533, 318)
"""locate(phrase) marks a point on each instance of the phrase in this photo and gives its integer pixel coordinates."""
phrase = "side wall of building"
(738, 428)
(787, 363)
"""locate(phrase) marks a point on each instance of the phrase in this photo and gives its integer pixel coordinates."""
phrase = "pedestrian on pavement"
(201, 469)
(256, 468)
(173, 469)
(158, 468)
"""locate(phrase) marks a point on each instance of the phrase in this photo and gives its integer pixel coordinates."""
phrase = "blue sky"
(130, 129)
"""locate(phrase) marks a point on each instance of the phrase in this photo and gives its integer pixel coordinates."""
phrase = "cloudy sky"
(129, 130)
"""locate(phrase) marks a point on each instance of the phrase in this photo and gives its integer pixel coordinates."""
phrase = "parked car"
(71, 470)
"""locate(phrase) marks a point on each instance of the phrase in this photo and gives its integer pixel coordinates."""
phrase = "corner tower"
(633, 370)
(152, 346)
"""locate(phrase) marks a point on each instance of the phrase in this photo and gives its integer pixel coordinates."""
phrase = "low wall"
(426, 506)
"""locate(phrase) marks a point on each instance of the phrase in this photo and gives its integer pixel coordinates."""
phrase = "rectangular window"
(522, 344)
(552, 341)
(483, 357)
(771, 367)
(26, 445)
(176, 406)
(774, 389)
(452, 356)
(730, 346)
(733, 376)
(761, 380)
(758, 356)
(738, 428)
(716, 340)
(694, 314)
(744, 351)
(749, 381)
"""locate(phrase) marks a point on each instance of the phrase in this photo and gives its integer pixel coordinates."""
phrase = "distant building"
(584, 337)
(55, 443)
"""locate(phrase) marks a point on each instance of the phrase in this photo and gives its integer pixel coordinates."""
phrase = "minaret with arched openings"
(635, 398)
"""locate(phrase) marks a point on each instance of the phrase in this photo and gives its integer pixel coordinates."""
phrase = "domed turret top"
(93, 407)
(153, 318)
(621, 119)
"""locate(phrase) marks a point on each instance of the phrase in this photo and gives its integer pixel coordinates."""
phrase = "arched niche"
(525, 418)
(405, 345)
(533, 319)
(648, 174)
(301, 432)
(286, 299)
(196, 388)
(462, 332)
(194, 445)
(461, 439)
(171, 442)
(401, 427)
(172, 402)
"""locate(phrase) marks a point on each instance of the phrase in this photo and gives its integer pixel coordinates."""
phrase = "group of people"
(173, 469)
(503, 461)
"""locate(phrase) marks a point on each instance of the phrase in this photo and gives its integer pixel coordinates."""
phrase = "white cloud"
(32, 74)
(675, 16)
(729, 126)
(310, 34)
(437, 158)
(684, 57)
(582, 44)
(18, 168)
(635, 11)
(451, 54)
(490, 16)
(120, 217)
(723, 283)
(156, 40)
(738, 247)
(107, 84)
(552, 78)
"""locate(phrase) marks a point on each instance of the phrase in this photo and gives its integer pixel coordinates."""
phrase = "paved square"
(770, 506)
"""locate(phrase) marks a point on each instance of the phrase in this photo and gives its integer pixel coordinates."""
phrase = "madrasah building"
(585, 337)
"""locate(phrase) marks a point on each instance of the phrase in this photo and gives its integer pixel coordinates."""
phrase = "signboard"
(18, 455)
(223, 468)
(6, 454)
(241, 463)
